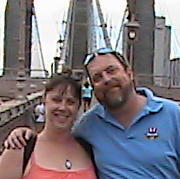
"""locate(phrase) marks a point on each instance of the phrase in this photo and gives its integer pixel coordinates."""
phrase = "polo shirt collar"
(100, 111)
(154, 104)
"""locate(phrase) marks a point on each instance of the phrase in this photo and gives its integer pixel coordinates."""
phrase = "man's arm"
(18, 138)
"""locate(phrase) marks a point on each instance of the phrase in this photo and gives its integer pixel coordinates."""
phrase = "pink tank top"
(37, 172)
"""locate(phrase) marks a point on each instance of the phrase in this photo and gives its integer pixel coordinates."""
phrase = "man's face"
(112, 83)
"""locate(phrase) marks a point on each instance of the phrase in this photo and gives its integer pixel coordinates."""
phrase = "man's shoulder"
(95, 112)
(89, 119)
(156, 102)
(151, 95)
(168, 103)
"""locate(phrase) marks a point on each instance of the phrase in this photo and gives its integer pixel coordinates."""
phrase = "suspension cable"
(39, 41)
(121, 28)
(103, 24)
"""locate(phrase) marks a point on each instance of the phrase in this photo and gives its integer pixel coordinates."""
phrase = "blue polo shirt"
(148, 149)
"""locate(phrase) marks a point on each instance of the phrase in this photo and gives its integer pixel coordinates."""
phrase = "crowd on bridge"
(130, 133)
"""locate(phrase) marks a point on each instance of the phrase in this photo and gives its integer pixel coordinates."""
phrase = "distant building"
(161, 70)
(174, 69)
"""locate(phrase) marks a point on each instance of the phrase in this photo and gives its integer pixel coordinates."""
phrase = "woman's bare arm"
(11, 162)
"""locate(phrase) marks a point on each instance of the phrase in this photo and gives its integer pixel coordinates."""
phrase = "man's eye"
(97, 78)
(111, 70)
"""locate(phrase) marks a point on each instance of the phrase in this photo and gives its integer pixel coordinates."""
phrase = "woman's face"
(61, 107)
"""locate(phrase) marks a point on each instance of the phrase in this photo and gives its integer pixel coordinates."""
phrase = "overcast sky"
(51, 12)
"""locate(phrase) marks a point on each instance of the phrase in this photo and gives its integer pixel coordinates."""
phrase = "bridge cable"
(39, 41)
(103, 24)
(121, 28)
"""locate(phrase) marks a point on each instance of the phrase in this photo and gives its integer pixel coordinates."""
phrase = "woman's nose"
(62, 105)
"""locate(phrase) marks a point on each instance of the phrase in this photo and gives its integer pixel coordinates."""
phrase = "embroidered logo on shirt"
(152, 133)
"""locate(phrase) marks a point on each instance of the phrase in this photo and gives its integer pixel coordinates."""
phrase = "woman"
(87, 95)
(56, 154)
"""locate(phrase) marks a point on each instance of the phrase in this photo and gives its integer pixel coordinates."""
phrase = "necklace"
(68, 164)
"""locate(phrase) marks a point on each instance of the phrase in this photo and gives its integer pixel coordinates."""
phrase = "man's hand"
(18, 138)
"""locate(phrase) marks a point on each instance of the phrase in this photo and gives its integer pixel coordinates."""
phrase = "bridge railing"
(16, 113)
(14, 108)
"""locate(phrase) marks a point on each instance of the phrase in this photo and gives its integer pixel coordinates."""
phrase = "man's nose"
(106, 78)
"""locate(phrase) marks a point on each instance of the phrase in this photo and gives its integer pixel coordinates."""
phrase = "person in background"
(87, 95)
(56, 154)
(133, 133)
(40, 116)
(67, 71)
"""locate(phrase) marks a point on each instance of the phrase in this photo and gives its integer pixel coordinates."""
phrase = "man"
(133, 134)
(40, 114)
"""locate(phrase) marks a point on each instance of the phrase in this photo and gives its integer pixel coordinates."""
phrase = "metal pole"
(131, 56)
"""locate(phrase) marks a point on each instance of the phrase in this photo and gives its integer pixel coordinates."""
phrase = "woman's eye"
(71, 102)
(56, 99)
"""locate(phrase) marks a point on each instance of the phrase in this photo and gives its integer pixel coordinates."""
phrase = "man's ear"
(130, 73)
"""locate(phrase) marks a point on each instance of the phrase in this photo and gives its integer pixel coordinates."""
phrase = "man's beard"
(114, 103)
(119, 101)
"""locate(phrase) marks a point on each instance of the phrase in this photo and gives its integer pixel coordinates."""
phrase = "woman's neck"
(60, 135)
